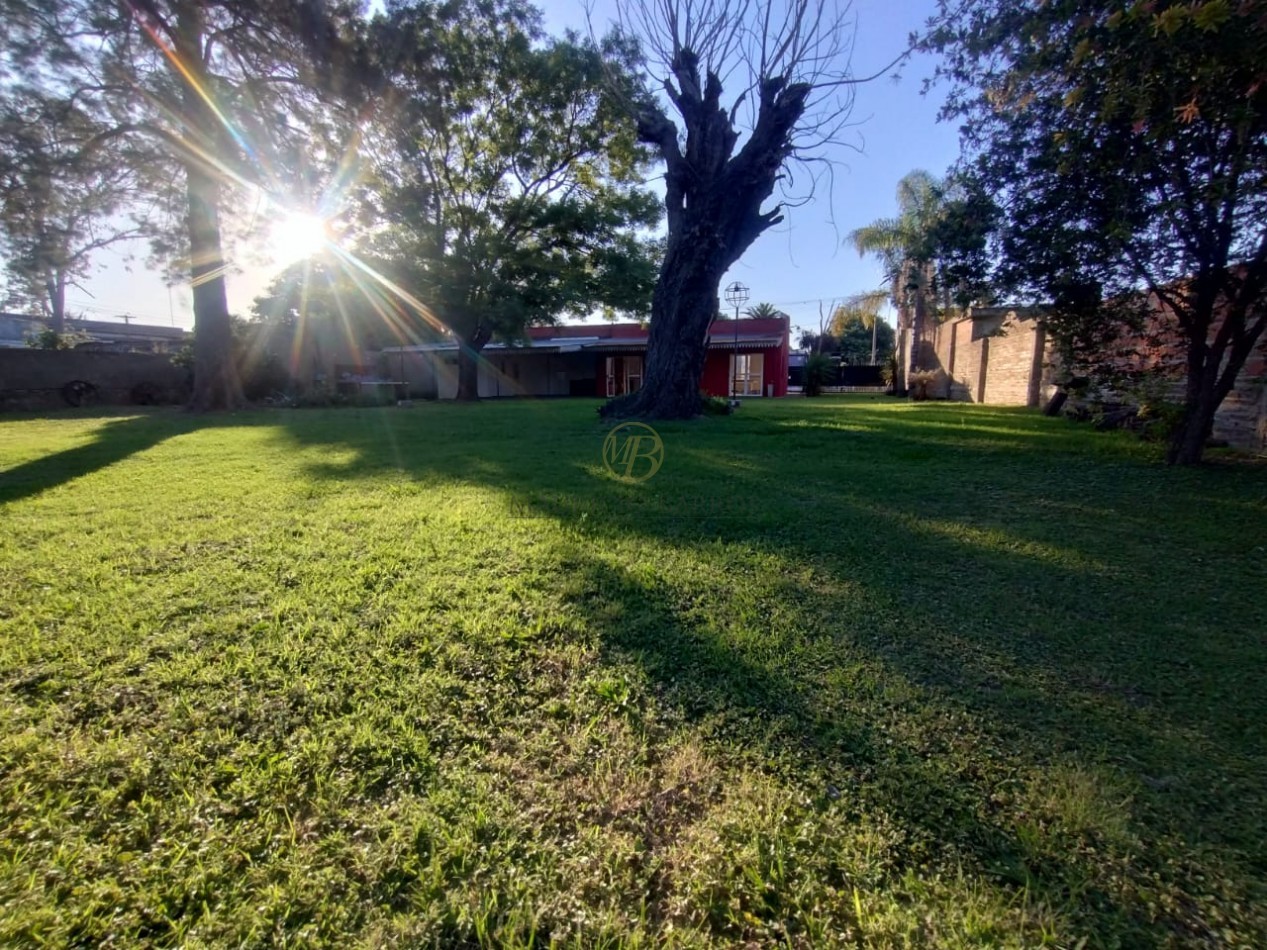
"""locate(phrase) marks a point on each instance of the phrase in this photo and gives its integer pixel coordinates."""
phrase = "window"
(746, 372)
(633, 373)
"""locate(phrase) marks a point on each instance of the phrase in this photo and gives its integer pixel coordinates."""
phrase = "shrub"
(920, 383)
(47, 339)
(264, 377)
(1160, 415)
(818, 372)
(714, 405)
(888, 372)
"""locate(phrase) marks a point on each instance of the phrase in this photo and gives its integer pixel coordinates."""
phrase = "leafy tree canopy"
(66, 192)
(509, 190)
(850, 336)
(1127, 145)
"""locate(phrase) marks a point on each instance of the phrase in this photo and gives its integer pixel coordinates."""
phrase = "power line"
(81, 305)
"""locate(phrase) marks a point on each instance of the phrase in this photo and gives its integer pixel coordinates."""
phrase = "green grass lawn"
(845, 672)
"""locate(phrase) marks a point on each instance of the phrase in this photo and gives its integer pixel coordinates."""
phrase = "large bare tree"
(750, 88)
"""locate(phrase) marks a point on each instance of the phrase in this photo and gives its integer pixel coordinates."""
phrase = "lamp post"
(736, 296)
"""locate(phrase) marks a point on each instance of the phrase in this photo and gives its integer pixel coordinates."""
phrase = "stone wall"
(34, 379)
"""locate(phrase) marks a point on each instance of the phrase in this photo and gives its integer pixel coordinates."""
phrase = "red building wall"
(716, 378)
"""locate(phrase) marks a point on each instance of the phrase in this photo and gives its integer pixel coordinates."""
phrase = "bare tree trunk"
(1187, 444)
(713, 197)
(684, 305)
(901, 354)
(468, 375)
(1212, 371)
(57, 303)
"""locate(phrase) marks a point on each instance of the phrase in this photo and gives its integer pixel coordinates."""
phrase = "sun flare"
(297, 235)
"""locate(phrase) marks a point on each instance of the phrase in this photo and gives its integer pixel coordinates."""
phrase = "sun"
(297, 235)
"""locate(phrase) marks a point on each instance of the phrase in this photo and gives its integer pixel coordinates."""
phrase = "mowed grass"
(845, 672)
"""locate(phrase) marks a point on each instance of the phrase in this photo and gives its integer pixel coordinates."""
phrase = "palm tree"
(865, 308)
(904, 245)
(764, 311)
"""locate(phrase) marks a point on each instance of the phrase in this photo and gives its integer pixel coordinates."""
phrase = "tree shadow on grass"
(1016, 628)
(113, 441)
(814, 739)
(949, 691)
(976, 706)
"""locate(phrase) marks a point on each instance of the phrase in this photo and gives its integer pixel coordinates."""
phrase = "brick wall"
(33, 379)
(1160, 349)
(1242, 419)
(1004, 357)
(995, 356)
(1015, 363)
(970, 353)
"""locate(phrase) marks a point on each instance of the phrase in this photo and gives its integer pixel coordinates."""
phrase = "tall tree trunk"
(901, 352)
(919, 320)
(469, 347)
(684, 304)
(216, 383)
(1187, 444)
(468, 374)
(56, 287)
(1212, 370)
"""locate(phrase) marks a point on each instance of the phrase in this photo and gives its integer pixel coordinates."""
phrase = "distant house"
(748, 357)
(15, 328)
(103, 335)
(130, 337)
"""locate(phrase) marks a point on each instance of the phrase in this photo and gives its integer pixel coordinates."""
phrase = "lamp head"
(736, 294)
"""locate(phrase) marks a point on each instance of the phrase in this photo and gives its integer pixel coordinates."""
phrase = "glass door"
(746, 371)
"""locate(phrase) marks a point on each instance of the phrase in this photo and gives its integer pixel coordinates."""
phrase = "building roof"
(613, 337)
(15, 327)
(109, 330)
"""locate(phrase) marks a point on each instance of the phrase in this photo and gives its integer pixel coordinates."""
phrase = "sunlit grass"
(838, 675)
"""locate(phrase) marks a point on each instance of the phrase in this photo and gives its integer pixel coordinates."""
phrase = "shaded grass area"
(847, 671)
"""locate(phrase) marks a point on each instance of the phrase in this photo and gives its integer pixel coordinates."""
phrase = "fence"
(34, 379)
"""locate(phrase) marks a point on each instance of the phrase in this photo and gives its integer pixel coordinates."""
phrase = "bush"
(264, 377)
(888, 372)
(1159, 416)
(818, 373)
(714, 405)
(921, 383)
(47, 339)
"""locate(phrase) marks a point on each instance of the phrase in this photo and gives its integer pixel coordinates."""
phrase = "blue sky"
(794, 265)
